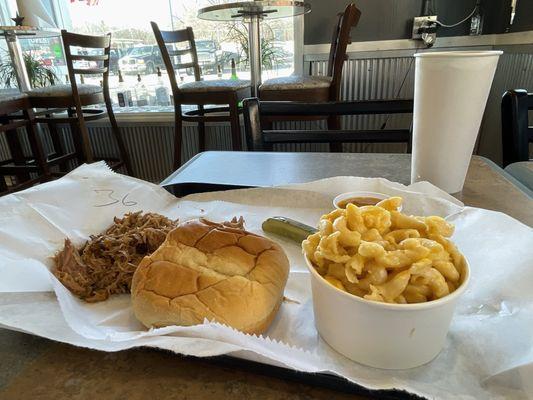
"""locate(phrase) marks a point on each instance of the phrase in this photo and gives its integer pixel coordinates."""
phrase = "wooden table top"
(37, 368)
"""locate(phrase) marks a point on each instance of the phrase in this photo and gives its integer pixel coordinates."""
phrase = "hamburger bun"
(206, 270)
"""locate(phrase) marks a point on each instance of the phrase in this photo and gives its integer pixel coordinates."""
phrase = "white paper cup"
(382, 335)
(451, 91)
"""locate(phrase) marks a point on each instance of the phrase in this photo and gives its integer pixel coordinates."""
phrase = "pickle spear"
(288, 228)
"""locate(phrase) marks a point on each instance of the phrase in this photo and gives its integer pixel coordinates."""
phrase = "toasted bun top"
(214, 271)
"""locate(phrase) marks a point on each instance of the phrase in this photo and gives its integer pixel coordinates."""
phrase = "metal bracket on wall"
(425, 29)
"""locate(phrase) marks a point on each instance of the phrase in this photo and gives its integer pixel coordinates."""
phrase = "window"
(217, 43)
(135, 53)
(220, 42)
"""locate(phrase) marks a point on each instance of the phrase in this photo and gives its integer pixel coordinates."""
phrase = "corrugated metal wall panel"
(4, 150)
(150, 146)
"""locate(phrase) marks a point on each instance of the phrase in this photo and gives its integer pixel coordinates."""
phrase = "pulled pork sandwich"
(105, 264)
(211, 270)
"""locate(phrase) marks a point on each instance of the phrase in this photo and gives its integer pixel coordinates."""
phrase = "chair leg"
(84, 133)
(178, 133)
(59, 148)
(124, 156)
(236, 141)
(334, 123)
(201, 131)
(3, 185)
(410, 141)
(37, 147)
(76, 137)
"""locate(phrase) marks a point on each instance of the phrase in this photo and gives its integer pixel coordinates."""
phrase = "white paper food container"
(451, 91)
(351, 195)
(382, 335)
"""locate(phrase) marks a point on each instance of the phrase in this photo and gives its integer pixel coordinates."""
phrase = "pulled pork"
(105, 264)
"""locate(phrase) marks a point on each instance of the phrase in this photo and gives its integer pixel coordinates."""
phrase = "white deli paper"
(489, 350)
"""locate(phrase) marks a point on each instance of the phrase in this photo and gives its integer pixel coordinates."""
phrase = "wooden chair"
(317, 88)
(222, 91)
(74, 98)
(260, 139)
(516, 132)
(18, 165)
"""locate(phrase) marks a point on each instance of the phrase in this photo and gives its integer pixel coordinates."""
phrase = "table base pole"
(254, 53)
(15, 53)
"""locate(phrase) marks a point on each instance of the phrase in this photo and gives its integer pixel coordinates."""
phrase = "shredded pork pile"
(105, 264)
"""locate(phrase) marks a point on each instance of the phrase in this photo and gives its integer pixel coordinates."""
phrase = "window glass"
(219, 42)
(135, 54)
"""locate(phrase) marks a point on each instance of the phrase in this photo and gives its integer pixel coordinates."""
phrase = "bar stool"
(317, 88)
(75, 98)
(18, 165)
(222, 91)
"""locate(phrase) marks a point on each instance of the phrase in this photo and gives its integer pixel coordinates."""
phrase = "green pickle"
(288, 228)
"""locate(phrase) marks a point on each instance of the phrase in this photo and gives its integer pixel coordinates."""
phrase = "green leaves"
(38, 74)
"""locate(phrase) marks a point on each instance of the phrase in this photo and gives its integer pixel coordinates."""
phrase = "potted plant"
(38, 74)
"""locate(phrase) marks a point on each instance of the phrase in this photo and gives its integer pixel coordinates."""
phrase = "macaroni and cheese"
(380, 254)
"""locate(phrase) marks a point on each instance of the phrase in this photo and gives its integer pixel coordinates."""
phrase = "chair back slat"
(177, 53)
(283, 108)
(185, 65)
(83, 57)
(175, 36)
(340, 136)
(89, 71)
(165, 38)
(86, 41)
(257, 138)
(516, 133)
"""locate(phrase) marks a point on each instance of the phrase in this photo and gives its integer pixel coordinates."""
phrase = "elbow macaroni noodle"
(380, 254)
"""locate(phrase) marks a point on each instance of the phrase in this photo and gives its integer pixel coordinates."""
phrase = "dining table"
(36, 368)
(253, 12)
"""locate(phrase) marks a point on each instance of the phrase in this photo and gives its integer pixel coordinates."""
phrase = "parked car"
(114, 56)
(208, 54)
(141, 59)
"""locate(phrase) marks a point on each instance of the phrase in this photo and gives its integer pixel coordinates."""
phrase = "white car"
(142, 59)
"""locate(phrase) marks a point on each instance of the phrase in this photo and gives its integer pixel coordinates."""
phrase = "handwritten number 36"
(113, 199)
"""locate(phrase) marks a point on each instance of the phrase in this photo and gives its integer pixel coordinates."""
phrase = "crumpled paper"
(488, 353)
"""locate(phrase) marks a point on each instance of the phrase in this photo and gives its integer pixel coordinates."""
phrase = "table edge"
(492, 165)
(169, 178)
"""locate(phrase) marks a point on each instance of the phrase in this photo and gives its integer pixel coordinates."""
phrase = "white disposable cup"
(451, 91)
(382, 335)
